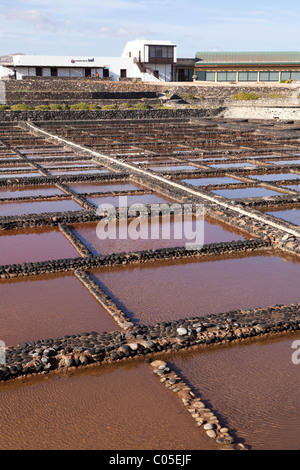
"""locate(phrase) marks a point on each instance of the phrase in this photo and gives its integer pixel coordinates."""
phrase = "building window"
(38, 71)
(184, 75)
(158, 52)
(170, 53)
(210, 76)
(123, 73)
(105, 73)
(290, 76)
(248, 76)
(201, 76)
(226, 76)
(53, 71)
(206, 76)
(161, 54)
(269, 76)
(164, 52)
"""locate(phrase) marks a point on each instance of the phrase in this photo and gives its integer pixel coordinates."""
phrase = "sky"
(102, 27)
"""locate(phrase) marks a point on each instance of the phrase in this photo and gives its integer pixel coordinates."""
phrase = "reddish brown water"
(18, 191)
(49, 307)
(96, 187)
(213, 233)
(29, 245)
(113, 408)
(116, 201)
(253, 386)
(165, 291)
(13, 208)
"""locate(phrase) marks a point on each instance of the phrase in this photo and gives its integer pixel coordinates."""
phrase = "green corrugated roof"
(247, 57)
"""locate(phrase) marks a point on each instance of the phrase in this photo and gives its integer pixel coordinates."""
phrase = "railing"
(145, 68)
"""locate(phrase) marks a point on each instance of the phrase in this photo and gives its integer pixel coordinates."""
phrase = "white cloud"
(60, 26)
(33, 17)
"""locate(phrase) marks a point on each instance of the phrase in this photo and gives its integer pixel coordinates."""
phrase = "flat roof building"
(239, 67)
(142, 59)
(151, 60)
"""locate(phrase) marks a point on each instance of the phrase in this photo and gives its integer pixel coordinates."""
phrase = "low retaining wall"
(226, 112)
(41, 96)
(83, 115)
(211, 90)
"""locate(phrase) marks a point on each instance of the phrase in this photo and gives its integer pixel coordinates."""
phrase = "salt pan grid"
(51, 163)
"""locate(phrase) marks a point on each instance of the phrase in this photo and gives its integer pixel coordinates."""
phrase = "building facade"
(239, 67)
(151, 61)
(144, 60)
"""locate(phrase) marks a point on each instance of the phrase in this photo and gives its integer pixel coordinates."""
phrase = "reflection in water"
(217, 180)
(246, 192)
(276, 176)
(289, 215)
(28, 191)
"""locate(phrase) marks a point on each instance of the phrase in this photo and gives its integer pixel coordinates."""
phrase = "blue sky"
(102, 27)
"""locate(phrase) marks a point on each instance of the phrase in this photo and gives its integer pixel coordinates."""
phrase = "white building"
(145, 60)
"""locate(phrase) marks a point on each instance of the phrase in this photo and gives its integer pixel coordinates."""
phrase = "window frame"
(226, 72)
(268, 72)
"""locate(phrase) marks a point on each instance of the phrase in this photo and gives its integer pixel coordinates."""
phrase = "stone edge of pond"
(32, 357)
(73, 352)
(89, 261)
(199, 411)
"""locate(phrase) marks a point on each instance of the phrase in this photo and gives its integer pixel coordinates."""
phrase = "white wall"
(165, 71)
(139, 48)
(4, 71)
(2, 92)
(25, 66)
(74, 66)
